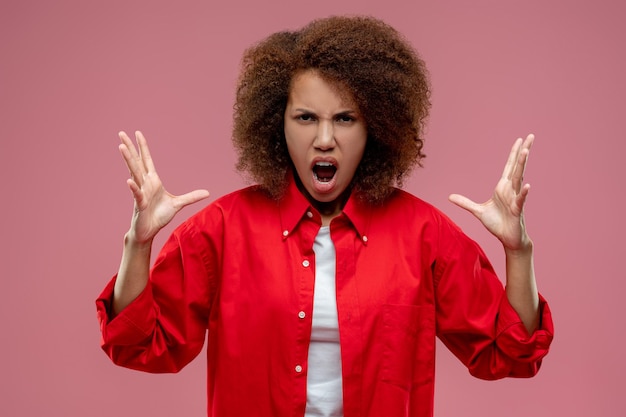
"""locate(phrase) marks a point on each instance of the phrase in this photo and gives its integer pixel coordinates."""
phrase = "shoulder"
(414, 214)
(433, 226)
(252, 195)
(246, 202)
(401, 202)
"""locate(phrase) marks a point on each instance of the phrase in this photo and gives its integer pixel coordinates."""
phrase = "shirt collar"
(359, 212)
(294, 207)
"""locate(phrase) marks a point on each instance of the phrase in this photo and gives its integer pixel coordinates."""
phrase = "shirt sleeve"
(474, 317)
(164, 328)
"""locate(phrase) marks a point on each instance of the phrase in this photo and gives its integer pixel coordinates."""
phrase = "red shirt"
(243, 268)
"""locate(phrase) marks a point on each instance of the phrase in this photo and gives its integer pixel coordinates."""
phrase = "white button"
(364, 238)
(298, 368)
(285, 232)
(302, 314)
(305, 263)
(309, 214)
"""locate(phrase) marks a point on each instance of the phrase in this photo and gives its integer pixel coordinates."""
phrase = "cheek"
(289, 140)
(296, 154)
(298, 139)
(292, 148)
(360, 142)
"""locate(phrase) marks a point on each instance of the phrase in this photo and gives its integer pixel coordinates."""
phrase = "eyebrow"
(346, 112)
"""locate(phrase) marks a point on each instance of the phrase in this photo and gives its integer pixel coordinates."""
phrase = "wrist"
(131, 242)
(524, 250)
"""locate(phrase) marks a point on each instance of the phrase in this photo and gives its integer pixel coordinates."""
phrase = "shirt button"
(298, 368)
(309, 214)
(305, 263)
(302, 314)
(285, 232)
(364, 238)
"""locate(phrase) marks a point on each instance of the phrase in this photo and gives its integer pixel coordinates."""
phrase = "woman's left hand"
(503, 213)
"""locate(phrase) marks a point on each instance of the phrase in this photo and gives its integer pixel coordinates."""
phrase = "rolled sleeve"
(474, 317)
(133, 324)
(165, 326)
(513, 339)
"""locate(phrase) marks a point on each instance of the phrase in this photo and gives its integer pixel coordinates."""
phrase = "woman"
(324, 286)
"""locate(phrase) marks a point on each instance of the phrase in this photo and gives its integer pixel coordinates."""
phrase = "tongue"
(325, 173)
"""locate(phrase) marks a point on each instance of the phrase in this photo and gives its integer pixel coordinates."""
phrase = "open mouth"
(324, 171)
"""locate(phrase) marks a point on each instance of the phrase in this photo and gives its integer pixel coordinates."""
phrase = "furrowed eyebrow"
(341, 113)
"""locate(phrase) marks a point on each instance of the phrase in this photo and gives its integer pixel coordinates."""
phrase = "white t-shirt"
(324, 395)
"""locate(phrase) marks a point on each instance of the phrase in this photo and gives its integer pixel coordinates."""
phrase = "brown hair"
(387, 79)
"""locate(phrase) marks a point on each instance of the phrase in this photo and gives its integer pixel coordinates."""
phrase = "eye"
(305, 117)
(345, 118)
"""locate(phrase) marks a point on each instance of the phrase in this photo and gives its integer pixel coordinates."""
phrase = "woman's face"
(326, 137)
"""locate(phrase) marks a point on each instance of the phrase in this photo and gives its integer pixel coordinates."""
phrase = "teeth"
(324, 164)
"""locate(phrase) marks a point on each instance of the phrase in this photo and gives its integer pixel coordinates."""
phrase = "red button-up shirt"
(243, 268)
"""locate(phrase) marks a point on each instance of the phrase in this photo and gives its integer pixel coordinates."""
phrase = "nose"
(325, 139)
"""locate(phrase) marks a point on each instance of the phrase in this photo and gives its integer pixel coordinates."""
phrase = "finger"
(129, 144)
(520, 199)
(509, 167)
(134, 188)
(465, 203)
(134, 168)
(137, 194)
(132, 158)
(190, 198)
(146, 158)
(517, 177)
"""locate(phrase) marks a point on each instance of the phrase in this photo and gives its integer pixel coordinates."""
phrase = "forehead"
(314, 84)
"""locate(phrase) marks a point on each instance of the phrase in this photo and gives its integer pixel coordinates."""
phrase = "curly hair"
(387, 79)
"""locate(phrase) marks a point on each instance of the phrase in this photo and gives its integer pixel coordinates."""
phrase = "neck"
(327, 209)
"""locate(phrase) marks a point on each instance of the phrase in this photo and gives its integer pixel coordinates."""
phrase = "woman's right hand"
(154, 206)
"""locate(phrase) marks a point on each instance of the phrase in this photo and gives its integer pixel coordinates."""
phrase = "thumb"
(191, 198)
(465, 203)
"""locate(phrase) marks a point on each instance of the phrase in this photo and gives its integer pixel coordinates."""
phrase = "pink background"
(73, 73)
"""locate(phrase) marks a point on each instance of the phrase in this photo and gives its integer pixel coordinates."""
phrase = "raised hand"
(154, 206)
(503, 213)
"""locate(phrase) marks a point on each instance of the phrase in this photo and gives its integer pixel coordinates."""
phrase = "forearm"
(521, 287)
(133, 273)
